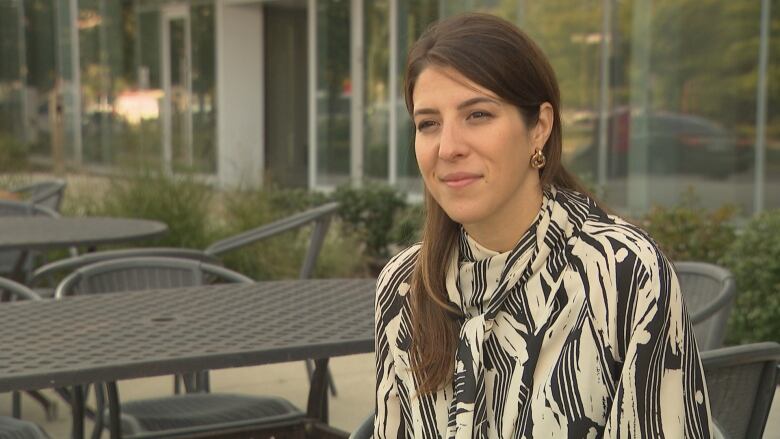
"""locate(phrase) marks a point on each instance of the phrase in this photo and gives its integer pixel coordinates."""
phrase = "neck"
(505, 229)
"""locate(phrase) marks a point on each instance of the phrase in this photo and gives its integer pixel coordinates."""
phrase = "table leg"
(77, 409)
(318, 392)
(113, 410)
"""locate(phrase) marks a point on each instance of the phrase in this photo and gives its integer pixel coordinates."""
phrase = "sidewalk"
(354, 377)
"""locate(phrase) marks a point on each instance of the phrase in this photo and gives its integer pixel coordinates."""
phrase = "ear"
(541, 132)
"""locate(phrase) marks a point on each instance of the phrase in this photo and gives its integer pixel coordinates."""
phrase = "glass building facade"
(660, 97)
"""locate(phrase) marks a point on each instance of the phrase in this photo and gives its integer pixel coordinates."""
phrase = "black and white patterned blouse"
(579, 331)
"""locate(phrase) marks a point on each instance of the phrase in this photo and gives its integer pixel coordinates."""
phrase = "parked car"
(677, 144)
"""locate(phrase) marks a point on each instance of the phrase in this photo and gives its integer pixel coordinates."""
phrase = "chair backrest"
(320, 216)
(23, 208)
(709, 292)
(144, 273)
(16, 291)
(47, 273)
(44, 193)
(741, 382)
(365, 430)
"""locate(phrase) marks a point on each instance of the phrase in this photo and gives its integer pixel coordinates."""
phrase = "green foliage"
(408, 226)
(181, 202)
(687, 232)
(371, 212)
(13, 154)
(754, 259)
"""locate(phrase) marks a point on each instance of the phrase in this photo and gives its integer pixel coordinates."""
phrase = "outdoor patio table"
(104, 338)
(45, 233)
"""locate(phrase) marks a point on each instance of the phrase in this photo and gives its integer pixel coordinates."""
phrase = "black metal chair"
(741, 381)
(43, 193)
(11, 428)
(186, 414)
(320, 216)
(365, 430)
(15, 428)
(709, 292)
(45, 278)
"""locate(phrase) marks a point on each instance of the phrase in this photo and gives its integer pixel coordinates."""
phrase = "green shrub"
(408, 226)
(371, 212)
(13, 154)
(181, 202)
(687, 232)
(754, 258)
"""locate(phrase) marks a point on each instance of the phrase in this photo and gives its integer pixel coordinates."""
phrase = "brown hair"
(496, 55)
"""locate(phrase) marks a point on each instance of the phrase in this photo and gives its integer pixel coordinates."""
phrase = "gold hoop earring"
(538, 160)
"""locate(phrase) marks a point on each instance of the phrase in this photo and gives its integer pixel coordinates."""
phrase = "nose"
(451, 143)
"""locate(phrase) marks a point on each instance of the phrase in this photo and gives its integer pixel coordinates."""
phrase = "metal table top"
(85, 339)
(38, 232)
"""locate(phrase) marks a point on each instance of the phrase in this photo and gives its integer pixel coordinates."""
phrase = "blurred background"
(660, 97)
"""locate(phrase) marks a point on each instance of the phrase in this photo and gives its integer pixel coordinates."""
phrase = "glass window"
(106, 56)
(414, 16)
(144, 104)
(772, 169)
(334, 90)
(11, 64)
(376, 115)
(40, 92)
(286, 96)
(204, 99)
(681, 117)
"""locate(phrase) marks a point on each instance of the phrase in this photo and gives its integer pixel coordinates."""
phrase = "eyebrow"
(462, 105)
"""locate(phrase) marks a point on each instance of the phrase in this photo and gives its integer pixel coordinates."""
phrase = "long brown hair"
(496, 55)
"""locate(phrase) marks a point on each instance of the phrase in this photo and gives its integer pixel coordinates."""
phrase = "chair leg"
(100, 404)
(49, 406)
(16, 405)
(331, 382)
(176, 384)
(67, 396)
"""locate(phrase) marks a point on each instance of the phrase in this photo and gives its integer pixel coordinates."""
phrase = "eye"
(425, 124)
(479, 115)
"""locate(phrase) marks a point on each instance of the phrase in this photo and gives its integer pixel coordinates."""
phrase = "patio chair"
(320, 216)
(45, 278)
(43, 193)
(365, 430)
(741, 382)
(14, 427)
(189, 413)
(11, 428)
(709, 292)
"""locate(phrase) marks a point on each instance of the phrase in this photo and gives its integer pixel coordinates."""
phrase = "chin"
(461, 215)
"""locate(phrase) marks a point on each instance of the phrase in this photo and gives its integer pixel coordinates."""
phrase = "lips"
(459, 179)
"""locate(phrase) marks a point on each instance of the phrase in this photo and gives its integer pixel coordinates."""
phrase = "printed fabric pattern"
(579, 331)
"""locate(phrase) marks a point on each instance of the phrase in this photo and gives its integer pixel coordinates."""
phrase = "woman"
(527, 310)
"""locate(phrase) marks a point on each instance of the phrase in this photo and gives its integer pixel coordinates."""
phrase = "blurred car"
(677, 144)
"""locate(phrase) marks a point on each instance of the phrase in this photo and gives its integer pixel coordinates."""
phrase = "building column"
(240, 94)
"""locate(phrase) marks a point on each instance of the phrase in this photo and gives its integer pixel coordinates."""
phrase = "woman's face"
(474, 151)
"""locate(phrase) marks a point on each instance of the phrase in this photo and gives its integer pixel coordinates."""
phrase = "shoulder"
(397, 273)
(619, 242)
